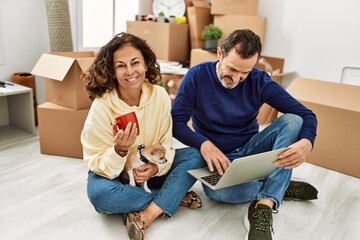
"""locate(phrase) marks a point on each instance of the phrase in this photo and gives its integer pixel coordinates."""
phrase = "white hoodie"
(155, 125)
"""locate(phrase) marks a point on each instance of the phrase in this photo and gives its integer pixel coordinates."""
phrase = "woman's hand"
(145, 172)
(125, 138)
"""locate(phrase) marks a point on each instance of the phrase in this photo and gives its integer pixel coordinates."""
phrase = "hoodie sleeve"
(97, 140)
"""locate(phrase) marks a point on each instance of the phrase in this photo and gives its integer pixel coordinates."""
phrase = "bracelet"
(121, 153)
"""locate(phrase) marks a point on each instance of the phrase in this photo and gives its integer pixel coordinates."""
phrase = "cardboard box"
(62, 71)
(337, 107)
(229, 23)
(60, 129)
(199, 55)
(235, 7)
(169, 41)
(198, 18)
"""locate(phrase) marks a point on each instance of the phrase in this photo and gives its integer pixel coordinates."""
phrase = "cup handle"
(116, 126)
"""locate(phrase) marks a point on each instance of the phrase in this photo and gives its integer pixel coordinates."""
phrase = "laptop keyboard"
(212, 179)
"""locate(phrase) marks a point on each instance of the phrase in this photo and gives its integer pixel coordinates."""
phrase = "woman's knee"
(191, 156)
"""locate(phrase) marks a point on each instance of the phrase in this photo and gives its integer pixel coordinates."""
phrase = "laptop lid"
(242, 170)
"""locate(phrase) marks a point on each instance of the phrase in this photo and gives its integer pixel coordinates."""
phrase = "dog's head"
(155, 153)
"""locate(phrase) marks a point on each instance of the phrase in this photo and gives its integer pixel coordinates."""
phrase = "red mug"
(122, 121)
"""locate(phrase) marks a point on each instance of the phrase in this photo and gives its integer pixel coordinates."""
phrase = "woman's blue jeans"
(281, 133)
(114, 196)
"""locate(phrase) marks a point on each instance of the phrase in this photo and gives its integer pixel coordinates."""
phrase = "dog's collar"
(142, 157)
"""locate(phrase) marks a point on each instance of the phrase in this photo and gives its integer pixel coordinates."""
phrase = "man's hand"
(145, 172)
(214, 157)
(294, 156)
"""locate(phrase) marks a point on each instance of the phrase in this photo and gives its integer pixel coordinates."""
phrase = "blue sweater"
(228, 117)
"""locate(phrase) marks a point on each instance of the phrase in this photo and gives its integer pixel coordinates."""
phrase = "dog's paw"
(132, 183)
(147, 190)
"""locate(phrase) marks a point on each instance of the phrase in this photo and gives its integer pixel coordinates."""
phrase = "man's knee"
(292, 121)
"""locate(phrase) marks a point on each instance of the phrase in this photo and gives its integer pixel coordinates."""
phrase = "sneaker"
(258, 222)
(135, 226)
(191, 200)
(300, 191)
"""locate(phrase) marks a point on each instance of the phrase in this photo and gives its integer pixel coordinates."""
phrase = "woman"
(123, 79)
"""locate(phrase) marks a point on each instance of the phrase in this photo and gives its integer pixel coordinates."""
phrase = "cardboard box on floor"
(237, 7)
(62, 71)
(198, 18)
(60, 129)
(170, 41)
(229, 23)
(337, 107)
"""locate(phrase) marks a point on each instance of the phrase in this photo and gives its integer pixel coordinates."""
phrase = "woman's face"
(129, 67)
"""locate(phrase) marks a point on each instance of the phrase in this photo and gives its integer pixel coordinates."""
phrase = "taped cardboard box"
(61, 72)
(60, 129)
(169, 41)
(337, 107)
(198, 18)
(229, 23)
(199, 55)
(234, 7)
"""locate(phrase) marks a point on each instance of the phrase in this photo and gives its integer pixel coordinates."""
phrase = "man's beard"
(226, 84)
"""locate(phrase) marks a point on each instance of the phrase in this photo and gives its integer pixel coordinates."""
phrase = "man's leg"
(281, 133)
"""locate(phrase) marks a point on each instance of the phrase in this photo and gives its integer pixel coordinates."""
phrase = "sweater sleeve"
(182, 110)
(280, 99)
(97, 141)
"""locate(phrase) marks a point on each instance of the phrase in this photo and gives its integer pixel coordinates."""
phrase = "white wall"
(317, 38)
(24, 36)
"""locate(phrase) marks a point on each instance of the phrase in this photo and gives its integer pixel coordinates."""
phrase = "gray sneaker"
(300, 191)
(258, 222)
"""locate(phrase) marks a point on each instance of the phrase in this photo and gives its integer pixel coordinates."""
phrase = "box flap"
(337, 95)
(52, 66)
(85, 63)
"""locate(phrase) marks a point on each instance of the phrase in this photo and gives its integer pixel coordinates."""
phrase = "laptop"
(241, 170)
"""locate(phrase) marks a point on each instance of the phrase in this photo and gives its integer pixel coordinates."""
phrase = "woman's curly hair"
(101, 78)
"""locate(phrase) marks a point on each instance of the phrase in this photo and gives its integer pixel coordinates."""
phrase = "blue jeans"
(281, 133)
(114, 196)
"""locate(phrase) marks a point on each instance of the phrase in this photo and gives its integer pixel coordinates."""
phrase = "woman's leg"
(113, 196)
(178, 181)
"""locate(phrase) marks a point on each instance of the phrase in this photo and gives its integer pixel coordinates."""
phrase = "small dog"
(154, 153)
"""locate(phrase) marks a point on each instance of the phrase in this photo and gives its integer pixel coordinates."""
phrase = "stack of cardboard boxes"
(61, 118)
(228, 16)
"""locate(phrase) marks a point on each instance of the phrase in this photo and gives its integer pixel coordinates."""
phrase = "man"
(223, 99)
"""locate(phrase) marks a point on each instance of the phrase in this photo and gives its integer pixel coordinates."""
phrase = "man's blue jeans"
(281, 133)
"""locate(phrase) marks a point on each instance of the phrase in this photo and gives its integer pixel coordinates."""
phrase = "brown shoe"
(191, 200)
(135, 226)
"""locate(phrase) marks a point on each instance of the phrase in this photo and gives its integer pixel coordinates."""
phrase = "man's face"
(232, 69)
